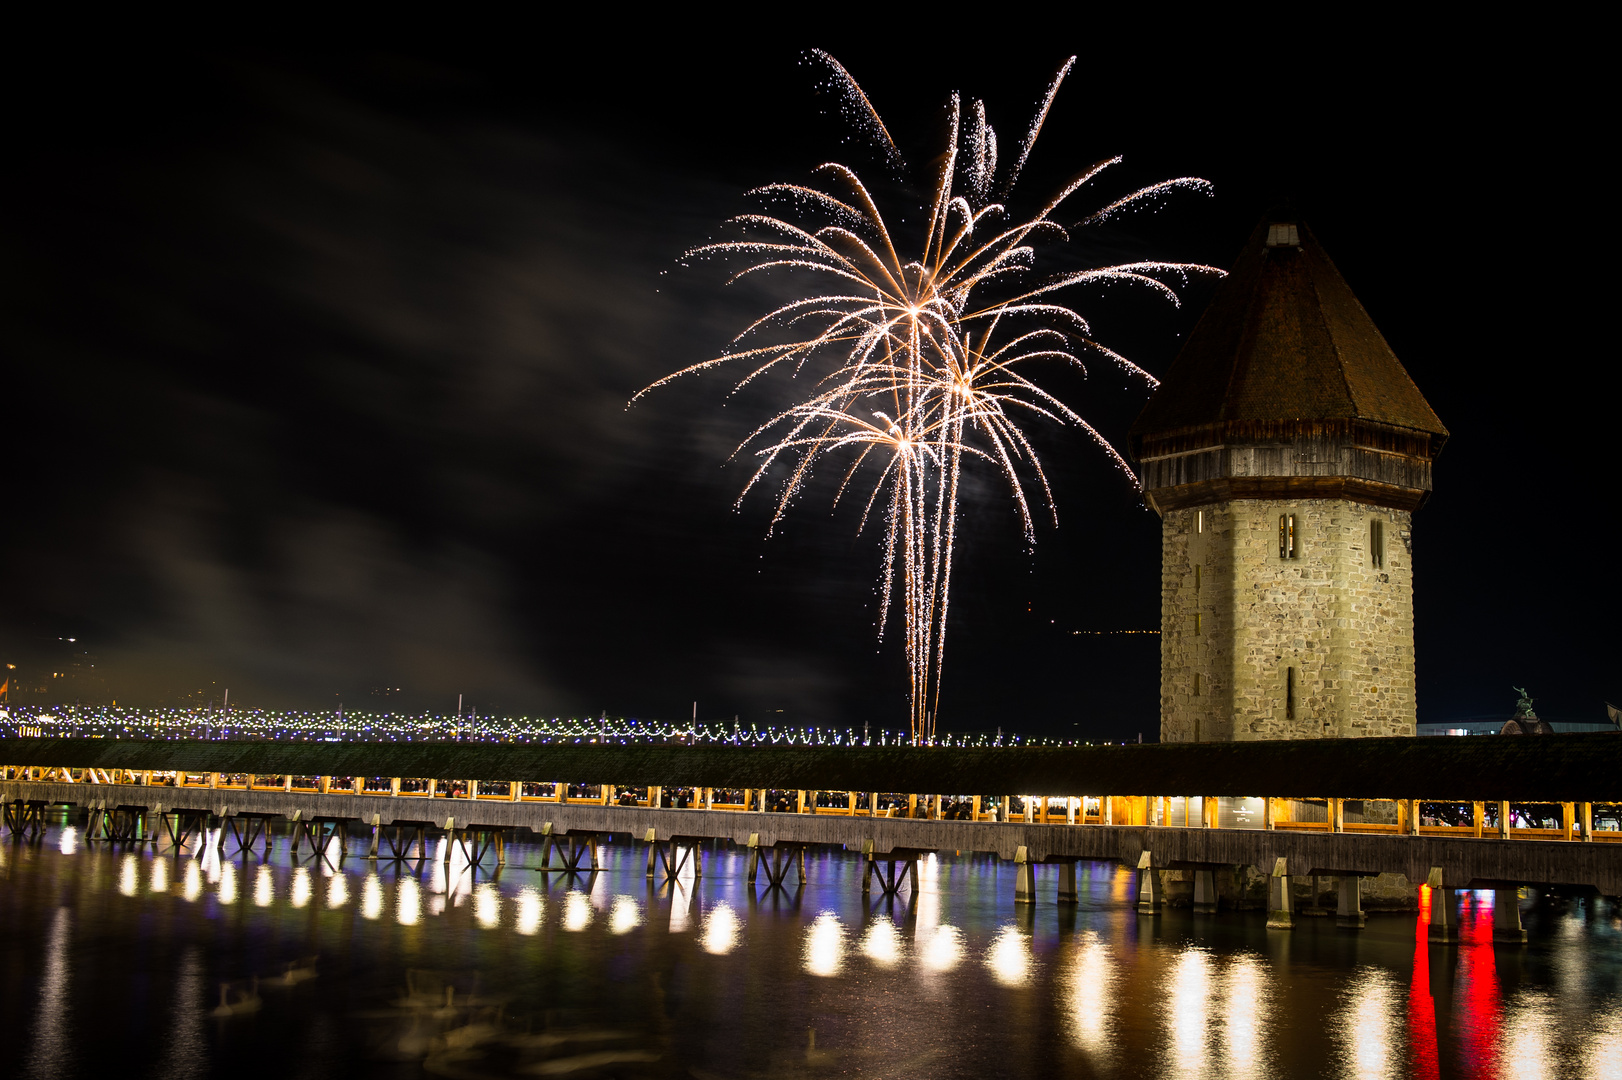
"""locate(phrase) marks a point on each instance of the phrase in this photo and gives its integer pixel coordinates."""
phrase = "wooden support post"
(1070, 810)
(1568, 819)
(1024, 877)
(799, 858)
(851, 796)
(213, 779)
(323, 784)
(1106, 806)
(1503, 820)
(1506, 917)
(1280, 901)
(974, 811)
(654, 853)
(1030, 810)
(867, 869)
(1478, 819)
(1209, 807)
(912, 873)
(547, 840)
(1337, 815)
(433, 787)
(1403, 812)
(1150, 895)
(1268, 821)
(1067, 883)
(1349, 909)
(799, 801)
(287, 781)
(1585, 818)
(1442, 925)
(754, 856)
(377, 834)
(912, 806)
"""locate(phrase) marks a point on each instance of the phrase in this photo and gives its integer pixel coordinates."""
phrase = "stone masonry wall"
(1235, 617)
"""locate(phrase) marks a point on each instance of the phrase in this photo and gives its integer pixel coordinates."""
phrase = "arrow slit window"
(1287, 547)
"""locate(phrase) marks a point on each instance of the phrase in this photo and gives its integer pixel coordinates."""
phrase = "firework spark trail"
(915, 380)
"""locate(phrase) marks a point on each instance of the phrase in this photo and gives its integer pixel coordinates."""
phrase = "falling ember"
(915, 371)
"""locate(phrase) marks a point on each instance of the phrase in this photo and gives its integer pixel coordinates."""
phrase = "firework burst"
(914, 366)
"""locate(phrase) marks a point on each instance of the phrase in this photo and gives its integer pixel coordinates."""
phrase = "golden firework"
(915, 362)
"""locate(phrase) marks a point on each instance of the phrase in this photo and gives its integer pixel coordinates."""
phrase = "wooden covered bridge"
(1458, 813)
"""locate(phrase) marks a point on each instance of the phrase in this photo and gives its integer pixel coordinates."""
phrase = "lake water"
(121, 961)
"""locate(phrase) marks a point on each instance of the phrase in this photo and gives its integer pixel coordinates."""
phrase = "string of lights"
(125, 722)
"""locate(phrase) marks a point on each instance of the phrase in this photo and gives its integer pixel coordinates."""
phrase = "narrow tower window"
(1289, 693)
(1196, 684)
(1286, 536)
(1199, 521)
(1377, 544)
(1196, 577)
(1196, 624)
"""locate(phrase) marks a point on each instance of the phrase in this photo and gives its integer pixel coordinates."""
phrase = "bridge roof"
(1569, 768)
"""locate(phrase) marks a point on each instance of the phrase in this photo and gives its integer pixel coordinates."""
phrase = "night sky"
(316, 371)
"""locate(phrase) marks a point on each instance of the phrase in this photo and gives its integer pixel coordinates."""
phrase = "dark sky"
(316, 370)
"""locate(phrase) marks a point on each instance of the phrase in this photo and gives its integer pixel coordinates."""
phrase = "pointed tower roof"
(1285, 339)
(1286, 390)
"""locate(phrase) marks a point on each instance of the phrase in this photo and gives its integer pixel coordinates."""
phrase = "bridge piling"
(1151, 897)
(1205, 892)
(1443, 919)
(1280, 902)
(1506, 918)
(1349, 910)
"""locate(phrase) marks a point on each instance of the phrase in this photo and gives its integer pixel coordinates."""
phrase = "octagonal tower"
(1286, 452)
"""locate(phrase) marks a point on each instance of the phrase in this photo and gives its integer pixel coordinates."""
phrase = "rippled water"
(117, 958)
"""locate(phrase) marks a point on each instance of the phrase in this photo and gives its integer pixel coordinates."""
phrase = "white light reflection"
(371, 897)
(51, 1054)
(337, 891)
(625, 915)
(681, 905)
(721, 929)
(825, 945)
(882, 942)
(943, 950)
(1245, 1012)
(129, 871)
(1602, 1050)
(1010, 957)
(159, 876)
(1531, 1026)
(1366, 1026)
(576, 911)
(1190, 1006)
(68, 843)
(302, 889)
(264, 888)
(487, 906)
(408, 902)
(192, 886)
(228, 883)
(1089, 989)
(530, 910)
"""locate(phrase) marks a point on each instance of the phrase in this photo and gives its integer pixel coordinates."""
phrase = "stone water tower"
(1286, 452)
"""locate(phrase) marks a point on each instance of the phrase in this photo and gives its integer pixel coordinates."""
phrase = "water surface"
(166, 964)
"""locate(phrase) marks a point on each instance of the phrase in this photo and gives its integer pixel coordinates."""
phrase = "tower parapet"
(1286, 452)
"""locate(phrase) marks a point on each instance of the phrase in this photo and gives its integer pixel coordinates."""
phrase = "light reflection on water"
(1009, 957)
(881, 943)
(825, 945)
(1366, 1026)
(1126, 996)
